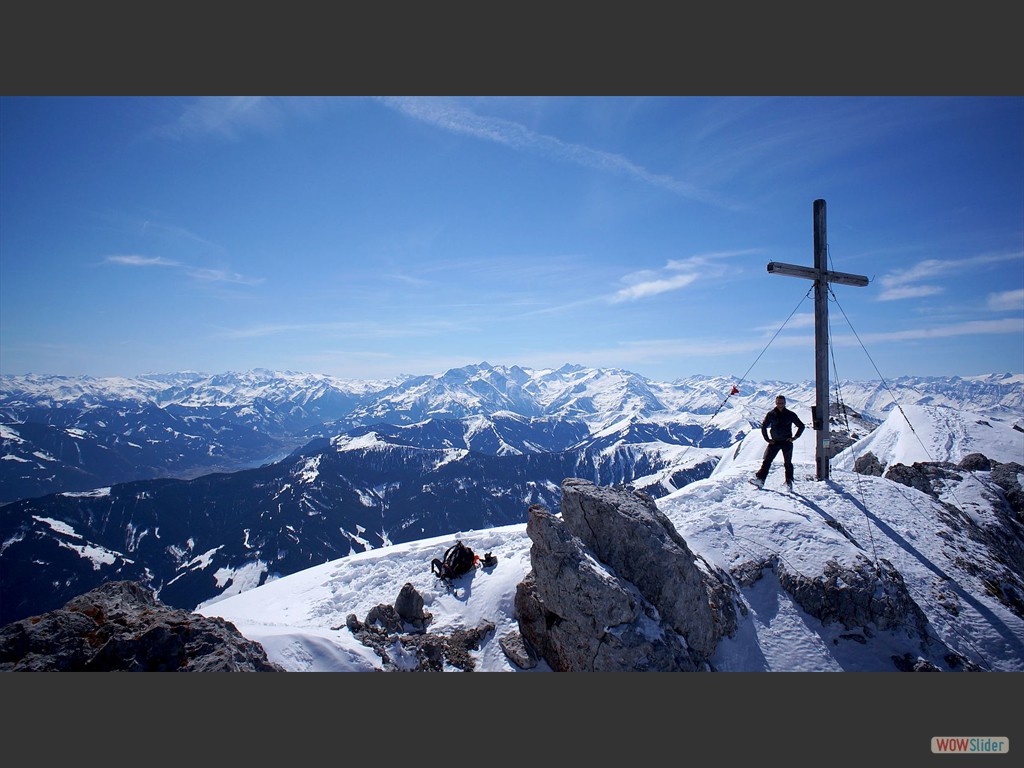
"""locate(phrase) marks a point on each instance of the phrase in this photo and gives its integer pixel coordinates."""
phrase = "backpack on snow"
(458, 559)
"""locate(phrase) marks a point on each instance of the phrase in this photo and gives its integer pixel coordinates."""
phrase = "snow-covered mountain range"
(60, 433)
(336, 468)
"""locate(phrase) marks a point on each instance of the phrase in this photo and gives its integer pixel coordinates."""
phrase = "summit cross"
(821, 277)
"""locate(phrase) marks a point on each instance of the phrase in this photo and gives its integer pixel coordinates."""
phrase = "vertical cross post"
(822, 443)
(821, 277)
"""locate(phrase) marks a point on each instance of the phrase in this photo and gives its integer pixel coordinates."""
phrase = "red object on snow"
(735, 390)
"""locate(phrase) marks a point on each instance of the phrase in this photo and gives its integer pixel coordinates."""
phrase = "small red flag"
(735, 390)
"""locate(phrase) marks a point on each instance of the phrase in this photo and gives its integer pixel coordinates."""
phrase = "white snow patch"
(95, 493)
(6, 433)
(310, 470)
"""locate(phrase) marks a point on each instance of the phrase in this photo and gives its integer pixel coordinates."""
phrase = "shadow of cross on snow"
(829, 520)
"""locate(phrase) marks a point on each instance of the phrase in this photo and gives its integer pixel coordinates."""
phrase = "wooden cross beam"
(821, 277)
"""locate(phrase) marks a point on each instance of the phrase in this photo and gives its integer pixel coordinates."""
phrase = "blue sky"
(369, 237)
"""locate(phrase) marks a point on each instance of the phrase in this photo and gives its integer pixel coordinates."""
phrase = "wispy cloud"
(676, 274)
(918, 280)
(364, 330)
(227, 117)
(899, 292)
(1007, 300)
(455, 118)
(203, 274)
(970, 328)
(140, 261)
(653, 286)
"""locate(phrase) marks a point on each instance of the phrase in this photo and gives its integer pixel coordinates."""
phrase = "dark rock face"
(613, 587)
(627, 531)
(859, 595)
(975, 462)
(579, 616)
(868, 464)
(121, 627)
(409, 607)
(1007, 476)
(927, 476)
(919, 475)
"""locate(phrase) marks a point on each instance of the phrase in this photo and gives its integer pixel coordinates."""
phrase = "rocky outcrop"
(928, 476)
(614, 587)
(857, 596)
(121, 627)
(397, 633)
(409, 607)
(580, 617)
(1007, 476)
(868, 464)
(919, 475)
(1002, 534)
(975, 462)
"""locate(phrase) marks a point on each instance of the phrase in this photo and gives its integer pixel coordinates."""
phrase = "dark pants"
(770, 452)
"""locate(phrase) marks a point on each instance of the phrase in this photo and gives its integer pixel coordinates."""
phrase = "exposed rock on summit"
(398, 634)
(859, 595)
(614, 587)
(121, 627)
(1002, 534)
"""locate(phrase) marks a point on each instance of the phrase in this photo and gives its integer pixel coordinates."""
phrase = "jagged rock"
(613, 587)
(423, 652)
(121, 627)
(1007, 476)
(386, 618)
(868, 464)
(581, 617)
(385, 630)
(975, 462)
(956, 661)
(517, 651)
(459, 643)
(409, 606)
(627, 531)
(861, 595)
(748, 572)
(932, 477)
(913, 476)
(907, 663)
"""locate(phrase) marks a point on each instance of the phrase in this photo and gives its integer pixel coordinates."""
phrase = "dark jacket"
(777, 425)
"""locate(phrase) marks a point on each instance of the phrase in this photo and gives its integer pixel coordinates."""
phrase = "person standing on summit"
(777, 431)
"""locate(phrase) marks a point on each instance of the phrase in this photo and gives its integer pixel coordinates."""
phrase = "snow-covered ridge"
(186, 388)
(927, 433)
(598, 396)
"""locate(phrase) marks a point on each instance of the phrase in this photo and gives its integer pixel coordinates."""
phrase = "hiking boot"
(789, 485)
(756, 481)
